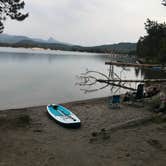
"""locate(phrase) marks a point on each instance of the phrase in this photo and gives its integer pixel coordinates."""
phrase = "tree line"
(152, 47)
(11, 9)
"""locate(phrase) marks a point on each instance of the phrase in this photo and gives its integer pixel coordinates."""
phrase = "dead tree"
(90, 79)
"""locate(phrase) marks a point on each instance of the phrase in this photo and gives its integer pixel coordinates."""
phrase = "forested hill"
(123, 48)
(119, 47)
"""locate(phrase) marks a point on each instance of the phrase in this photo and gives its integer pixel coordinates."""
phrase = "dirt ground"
(29, 137)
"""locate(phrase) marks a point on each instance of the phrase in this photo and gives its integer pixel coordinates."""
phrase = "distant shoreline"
(36, 49)
(120, 48)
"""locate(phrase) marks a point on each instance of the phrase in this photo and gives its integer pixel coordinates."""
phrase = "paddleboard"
(63, 116)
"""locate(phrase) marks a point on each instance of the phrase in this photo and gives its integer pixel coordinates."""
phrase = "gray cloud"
(87, 22)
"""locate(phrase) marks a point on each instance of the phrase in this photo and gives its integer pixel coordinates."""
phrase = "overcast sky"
(87, 22)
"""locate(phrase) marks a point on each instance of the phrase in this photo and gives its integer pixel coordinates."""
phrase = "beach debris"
(155, 143)
(102, 135)
(128, 155)
(158, 101)
(89, 80)
(94, 134)
(103, 130)
(37, 131)
(96, 80)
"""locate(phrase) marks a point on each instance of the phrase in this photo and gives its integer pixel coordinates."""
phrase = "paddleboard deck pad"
(63, 116)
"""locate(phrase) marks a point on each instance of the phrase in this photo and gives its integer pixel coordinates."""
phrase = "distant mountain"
(11, 39)
(119, 48)
(52, 40)
(51, 43)
(5, 38)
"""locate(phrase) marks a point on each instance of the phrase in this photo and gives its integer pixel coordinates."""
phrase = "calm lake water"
(38, 77)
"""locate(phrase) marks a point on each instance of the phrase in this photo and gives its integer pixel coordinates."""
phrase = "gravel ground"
(30, 137)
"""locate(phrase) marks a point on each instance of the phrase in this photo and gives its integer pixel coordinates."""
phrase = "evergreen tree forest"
(152, 47)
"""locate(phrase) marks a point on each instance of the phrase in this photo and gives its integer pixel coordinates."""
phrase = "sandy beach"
(126, 136)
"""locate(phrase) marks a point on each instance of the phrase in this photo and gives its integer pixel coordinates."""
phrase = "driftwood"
(135, 81)
(117, 85)
(90, 78)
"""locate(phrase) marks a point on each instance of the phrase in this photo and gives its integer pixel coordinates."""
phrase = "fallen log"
(114, 84)
(135, 81)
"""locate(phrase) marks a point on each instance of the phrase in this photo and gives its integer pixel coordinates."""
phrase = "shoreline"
(63, 103)
(123, 136)
(35, 49)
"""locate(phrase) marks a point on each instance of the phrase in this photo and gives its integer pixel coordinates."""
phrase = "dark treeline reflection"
(150, 73)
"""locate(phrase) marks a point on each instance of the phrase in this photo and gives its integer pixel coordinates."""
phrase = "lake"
(32, 77)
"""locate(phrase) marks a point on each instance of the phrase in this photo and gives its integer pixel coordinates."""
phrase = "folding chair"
(140, 92)
(137, 98)
(114, 101)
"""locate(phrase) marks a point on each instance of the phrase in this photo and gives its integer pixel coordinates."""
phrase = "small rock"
(94, 134)
(103, 130)
(127, 155)
(37, 131)
(105, 136)
(91, 140)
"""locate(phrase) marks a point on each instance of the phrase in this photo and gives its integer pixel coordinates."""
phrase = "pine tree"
(11, 9)
(164, 2)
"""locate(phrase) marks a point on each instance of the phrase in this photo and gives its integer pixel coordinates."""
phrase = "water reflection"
(32, 78)
(151, 74)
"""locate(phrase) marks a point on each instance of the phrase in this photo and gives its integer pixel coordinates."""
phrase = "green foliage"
(11, 9)
(164, 2)
(152, 47)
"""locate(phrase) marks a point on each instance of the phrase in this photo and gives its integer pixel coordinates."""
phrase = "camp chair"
(140, 92)
(137, 98)
(114, 101)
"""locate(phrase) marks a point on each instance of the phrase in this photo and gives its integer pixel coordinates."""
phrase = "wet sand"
(126, 136)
